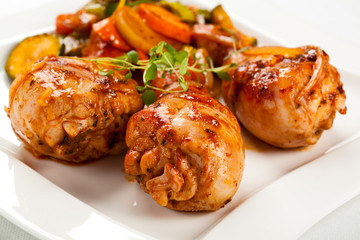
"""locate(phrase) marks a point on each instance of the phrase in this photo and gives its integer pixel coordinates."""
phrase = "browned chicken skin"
(63, 108)
(285, 96)
(186, 150)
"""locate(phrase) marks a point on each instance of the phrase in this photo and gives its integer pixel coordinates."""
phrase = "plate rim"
(43, 235)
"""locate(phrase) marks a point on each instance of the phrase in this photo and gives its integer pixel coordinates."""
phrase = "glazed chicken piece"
(63, 108)
(285, 96)
(186, 149)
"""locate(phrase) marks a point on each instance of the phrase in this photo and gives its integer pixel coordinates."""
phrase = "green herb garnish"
(137, 2)
(148, 97)
(163, 58)
(234, 43)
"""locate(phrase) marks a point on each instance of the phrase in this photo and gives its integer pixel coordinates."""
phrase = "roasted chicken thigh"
(186, 149)
(63, 108)
(285, 96)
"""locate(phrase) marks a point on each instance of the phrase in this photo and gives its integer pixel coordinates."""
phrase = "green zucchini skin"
(30, 50)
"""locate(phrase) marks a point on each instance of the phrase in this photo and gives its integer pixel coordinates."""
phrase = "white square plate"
(51, 200)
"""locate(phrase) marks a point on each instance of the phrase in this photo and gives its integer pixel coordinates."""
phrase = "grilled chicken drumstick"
(63, 108)
(285, 96)
(186, 149)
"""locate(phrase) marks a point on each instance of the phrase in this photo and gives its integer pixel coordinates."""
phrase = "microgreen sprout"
(234, 43)
(162, 58)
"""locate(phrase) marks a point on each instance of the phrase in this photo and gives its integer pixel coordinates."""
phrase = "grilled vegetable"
(97, 47)
(182, 11)
(165, 22)
(107, 31)
(95, 8)
(30, 50)
(80, 22)
(219, 16)
(74, 43)
(133, 29)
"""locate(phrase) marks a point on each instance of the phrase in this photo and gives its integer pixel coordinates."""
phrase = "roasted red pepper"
(80, 21)
(107, 31)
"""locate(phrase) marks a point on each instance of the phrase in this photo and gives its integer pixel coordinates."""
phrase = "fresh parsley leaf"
(105, 73)
(128, 75)
(167, 59)
(170, 49)
(140, 88)
(183, 66)
(160, 47)
(151, 72)
(152, 51)
(180, 56)
(148, 97)
(223, 75)
(133, 56)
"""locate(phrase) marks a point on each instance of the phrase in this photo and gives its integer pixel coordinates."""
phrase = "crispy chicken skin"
(63, 108)
(186, 149)
(285, 96)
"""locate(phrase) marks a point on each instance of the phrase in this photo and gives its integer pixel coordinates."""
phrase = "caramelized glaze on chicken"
(63, 108)
(285, 96)
(187, 152)
(186, 149)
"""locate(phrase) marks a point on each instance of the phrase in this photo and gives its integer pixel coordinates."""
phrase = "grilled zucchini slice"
(31, 49)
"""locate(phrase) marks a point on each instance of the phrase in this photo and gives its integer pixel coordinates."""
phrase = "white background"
(332, 25)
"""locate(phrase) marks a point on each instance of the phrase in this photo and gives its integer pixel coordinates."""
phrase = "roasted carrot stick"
(164, 22)
(138, 34)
